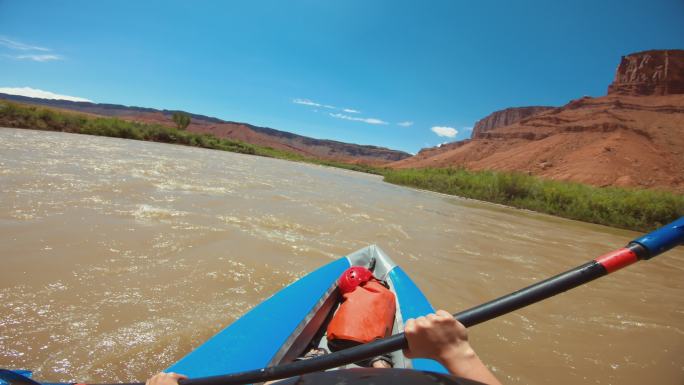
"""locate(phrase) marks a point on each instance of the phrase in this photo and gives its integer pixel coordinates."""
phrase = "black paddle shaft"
(471, 317)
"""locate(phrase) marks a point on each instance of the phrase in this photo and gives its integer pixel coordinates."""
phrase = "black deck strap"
(371, 265)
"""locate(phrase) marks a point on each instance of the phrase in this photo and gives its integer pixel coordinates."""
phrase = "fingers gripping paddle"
(645, 247)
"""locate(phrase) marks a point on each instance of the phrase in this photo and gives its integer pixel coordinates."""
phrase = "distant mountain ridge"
(105, 109)
(318, 148)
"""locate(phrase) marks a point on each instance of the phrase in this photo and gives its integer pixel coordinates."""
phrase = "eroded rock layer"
(505, 117)
(655, 72)
(632, 137)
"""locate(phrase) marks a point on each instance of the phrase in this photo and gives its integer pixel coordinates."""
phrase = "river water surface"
(119, 256)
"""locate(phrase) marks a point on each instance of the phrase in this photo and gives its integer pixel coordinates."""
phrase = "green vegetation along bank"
(634, 209)
(40, 118)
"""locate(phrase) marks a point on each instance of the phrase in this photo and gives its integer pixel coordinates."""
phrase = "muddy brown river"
(119, 256)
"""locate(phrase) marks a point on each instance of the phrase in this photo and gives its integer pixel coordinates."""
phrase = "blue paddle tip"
(663, 239)
(11, 376)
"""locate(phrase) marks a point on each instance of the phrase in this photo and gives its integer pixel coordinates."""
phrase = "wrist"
(461, 351)
(458, 358)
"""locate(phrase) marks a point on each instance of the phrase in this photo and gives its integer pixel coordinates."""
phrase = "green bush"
(635, 209)
(181, 119)
(29, 116)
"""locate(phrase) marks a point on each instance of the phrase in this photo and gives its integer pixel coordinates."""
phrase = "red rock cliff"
(505, 117)
(654, 72)
(632, 137)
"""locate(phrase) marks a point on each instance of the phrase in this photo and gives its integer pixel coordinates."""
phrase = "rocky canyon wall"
(655, 72)
(505, 117)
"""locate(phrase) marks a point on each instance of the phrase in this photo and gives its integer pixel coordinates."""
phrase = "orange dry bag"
(365, 314)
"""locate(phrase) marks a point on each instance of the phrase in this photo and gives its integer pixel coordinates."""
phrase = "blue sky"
(391, 73)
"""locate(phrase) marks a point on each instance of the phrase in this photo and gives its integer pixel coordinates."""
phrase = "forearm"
(465, 363)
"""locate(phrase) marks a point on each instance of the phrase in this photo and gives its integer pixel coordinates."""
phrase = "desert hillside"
(262, 136)
(634, 136)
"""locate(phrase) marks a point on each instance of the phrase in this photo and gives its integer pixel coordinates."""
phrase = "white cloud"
(35, 93)
(467, 128)
(308, 102)
(406, 123)
(443, 131)
(354, 118)
(38, 58)
(31, 52)
(316, 105)
(15, 45)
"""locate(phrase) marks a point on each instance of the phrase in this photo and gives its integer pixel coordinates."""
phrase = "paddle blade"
(16, 377)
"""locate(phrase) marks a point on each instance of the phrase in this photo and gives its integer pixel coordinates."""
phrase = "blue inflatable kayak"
(293, 321)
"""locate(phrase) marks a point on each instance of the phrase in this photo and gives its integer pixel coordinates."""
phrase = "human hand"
(439, 337)
(165, 379)
(442, 338)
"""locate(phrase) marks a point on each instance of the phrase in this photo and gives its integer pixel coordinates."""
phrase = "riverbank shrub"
(634, 209)
(33, 117)
(40, 118)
